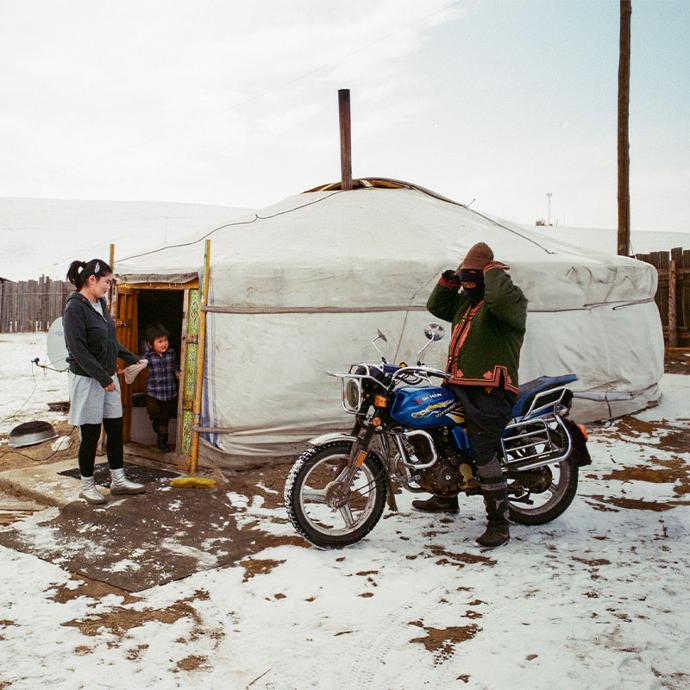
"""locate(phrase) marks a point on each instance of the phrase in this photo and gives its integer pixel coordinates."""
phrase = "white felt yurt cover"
(304, 285)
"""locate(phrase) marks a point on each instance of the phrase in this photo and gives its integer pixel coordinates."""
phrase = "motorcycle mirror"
(434, 332)
(379, 336)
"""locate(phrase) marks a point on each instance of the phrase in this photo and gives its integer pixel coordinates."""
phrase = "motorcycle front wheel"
(310, 489)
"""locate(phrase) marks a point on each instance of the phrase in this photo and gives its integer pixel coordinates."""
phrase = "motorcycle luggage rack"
(544, 451)
(548, 400)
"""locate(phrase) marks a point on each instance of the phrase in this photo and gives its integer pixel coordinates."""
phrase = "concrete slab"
(42, 483)
(14, 508)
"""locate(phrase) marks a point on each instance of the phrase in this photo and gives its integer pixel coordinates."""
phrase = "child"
(161, 388)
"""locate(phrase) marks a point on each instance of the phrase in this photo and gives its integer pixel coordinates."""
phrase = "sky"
(222, 102)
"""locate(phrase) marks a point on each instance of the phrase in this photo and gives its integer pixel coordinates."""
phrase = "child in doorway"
(161, 388)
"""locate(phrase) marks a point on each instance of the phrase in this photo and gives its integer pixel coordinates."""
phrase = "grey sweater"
(91, 342)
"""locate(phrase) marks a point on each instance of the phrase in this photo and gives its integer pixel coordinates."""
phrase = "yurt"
(301, 288)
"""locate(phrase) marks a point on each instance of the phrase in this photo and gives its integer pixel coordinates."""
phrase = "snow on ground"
(596, 599)
(25, 388)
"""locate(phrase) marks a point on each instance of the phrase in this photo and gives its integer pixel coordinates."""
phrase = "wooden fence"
(31, 305)
(673, 294)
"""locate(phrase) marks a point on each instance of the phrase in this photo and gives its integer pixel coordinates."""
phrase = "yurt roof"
(384, 242)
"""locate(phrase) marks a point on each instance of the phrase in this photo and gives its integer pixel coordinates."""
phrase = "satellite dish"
(56, 348)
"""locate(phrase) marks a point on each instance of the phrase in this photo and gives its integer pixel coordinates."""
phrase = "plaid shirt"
(162, 383)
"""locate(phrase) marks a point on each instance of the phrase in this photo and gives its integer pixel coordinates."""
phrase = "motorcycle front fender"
(329, 438)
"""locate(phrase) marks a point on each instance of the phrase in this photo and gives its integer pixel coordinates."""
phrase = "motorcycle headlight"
(352, 395)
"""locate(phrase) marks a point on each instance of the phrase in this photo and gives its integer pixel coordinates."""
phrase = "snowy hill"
(605, 240)
(44, 235)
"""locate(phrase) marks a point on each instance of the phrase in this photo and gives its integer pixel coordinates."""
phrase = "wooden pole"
(199, 388)
(111, 261)
(672, 301)
(102, 441)
(345, 138)
(623, 122)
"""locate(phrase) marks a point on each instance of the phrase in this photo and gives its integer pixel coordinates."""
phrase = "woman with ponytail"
(94, 389)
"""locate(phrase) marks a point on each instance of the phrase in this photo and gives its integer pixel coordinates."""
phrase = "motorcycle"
(411, 434)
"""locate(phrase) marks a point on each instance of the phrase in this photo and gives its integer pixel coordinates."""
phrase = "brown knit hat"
(479, 255)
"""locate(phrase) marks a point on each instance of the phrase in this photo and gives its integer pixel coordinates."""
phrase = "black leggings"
(90, 433)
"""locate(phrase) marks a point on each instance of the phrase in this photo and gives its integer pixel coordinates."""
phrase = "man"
(488, 318)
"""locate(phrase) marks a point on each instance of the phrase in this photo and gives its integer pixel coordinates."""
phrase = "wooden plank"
(683, 299)
(672, 332)
(2, 306)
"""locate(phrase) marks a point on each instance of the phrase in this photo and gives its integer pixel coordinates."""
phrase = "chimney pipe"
(345, 141)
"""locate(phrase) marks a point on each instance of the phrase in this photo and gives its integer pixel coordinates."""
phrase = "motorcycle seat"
(531, 388)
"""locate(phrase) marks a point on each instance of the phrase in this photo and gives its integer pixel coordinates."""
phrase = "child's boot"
(163, 442)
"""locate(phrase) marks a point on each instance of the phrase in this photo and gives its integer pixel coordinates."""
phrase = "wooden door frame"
(128, 335)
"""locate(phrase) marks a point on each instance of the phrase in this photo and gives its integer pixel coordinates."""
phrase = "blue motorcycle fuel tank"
(430, 406)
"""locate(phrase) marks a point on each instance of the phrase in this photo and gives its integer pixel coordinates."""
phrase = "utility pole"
(548, 208)
(623, 123)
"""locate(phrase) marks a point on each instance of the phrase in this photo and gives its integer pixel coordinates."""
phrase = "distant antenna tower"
(548, 208)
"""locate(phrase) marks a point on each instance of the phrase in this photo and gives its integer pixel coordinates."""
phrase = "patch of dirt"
(441, 641)
(92, 589)
(364, 573)
(186, 531)
(601, 508)
(256, 566)
(674, 438)
(5, 623)
(465, 678)
(343, 632)
(462, 557)
(366, 595)
(83, 650)
(675, 470)
(637, 504)
(120, 620)
(473, 614)
(595, 562)
(530, 657)
(191, 663)
(676, 362)
(134, 653)
(270, 477)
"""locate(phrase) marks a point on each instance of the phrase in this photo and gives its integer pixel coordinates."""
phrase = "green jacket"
(486, 339)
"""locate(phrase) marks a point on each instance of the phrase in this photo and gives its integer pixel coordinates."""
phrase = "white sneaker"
(89, 492)
(119, 484)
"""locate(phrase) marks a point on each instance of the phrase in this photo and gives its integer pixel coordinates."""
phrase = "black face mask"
(475, 294)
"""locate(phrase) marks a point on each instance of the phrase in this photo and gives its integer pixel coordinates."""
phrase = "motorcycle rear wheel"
(562, 492)
(305, 496)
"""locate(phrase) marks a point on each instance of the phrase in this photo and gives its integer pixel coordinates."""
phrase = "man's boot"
(89, 492)
(498, 528)
(437, 504)
(119, 484)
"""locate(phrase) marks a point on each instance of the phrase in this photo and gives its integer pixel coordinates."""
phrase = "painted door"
(126, 327)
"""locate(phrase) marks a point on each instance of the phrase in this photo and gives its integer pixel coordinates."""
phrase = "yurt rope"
(228, 225)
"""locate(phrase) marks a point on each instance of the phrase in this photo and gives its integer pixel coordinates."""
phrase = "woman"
(94, 389)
